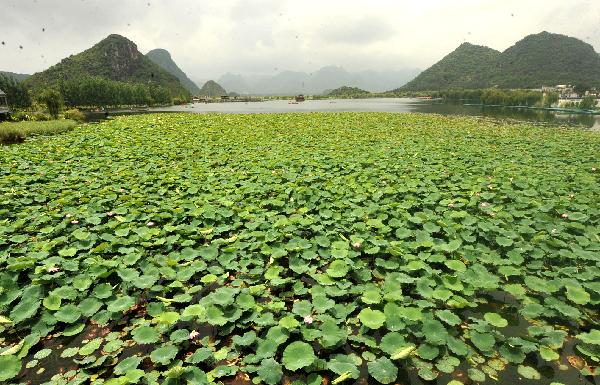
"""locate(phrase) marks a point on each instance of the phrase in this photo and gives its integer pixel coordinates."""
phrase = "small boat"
(300, 98)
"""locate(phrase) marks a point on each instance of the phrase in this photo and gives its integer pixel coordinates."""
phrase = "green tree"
(587, 103)
(53, 100)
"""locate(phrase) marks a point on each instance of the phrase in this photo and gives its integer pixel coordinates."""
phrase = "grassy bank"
(11, 133)
(310, 248)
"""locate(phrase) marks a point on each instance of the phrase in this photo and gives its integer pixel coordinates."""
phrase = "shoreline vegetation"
(17, 132)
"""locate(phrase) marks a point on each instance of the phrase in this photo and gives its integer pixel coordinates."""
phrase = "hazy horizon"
(265, 37)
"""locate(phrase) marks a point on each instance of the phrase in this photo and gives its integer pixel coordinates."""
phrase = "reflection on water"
(383, 105)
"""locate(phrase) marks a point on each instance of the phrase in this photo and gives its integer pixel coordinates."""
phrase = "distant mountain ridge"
(115, 58)
(163, 58)
(17, 77)
(326, 78)
(537, 60)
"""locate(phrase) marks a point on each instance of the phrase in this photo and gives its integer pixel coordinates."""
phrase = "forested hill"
(212, 89)
(537, 60)
(115, 59)
(469, 66)
(15, 76)
(548, 59)
(163, 58)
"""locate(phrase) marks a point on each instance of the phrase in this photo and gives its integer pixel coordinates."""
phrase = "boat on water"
(300, 98)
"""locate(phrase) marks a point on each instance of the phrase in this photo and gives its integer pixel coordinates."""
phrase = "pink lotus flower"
(451, 205)
(194, 334)
(150, 224)
(68, 216)
(565, 216)
(594, 169)
(356, 246)
(308, 320)
(74, 222)
(53, 269)
(110, 213)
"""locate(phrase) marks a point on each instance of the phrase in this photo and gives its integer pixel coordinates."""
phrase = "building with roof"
(3, 103)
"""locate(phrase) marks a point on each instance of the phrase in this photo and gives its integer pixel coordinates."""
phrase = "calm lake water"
(388, 105)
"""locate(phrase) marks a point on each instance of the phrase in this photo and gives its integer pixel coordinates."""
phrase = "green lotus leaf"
(528, 372)
(383, 370)
(577, 294)
(270, 371)
(410, 313)
(145, 335)
(214, 316)
(164, 355)
(428, 352)
(102, 291)
(483, 341)
(25, 309)
(456, 265)
(435, 333)
(302, 308)
(593, 337)
(90, 347)
(121, 304)
(392, 343)
(346, 366)
(52, 302)
(68, 314)
(40, 355)
(373, 319)
(548, 354)
(448, 317)
(10, 366)
(338, 269)
(332, 335)
(289, 322)
(194, 311)
(298, 355)
(167, 318)
(495, 319)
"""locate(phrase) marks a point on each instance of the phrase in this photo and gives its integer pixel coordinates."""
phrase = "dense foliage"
(212, 89)
(114, 59)
(98, 91)
(306, 246)
(537, 60)
(163, 58)
(11, 133)
(467, 67)
(348, 92)
(16, 93)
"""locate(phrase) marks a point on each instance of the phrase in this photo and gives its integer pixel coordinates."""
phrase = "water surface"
(399, 105)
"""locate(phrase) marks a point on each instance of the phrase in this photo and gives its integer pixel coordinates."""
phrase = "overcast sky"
(209, 38)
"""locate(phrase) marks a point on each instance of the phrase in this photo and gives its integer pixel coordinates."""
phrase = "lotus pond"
(301, 249)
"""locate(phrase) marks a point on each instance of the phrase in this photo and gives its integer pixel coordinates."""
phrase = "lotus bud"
(356, 246)
(451, 205)
(150, 224)
(308, 320)
(194, 334)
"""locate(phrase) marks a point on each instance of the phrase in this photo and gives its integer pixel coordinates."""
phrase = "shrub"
(53, 101)
(75, 114)
(10, 135)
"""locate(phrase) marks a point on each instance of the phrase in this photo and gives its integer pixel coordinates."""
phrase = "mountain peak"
(114, 58)
(163, 59)
(212, 89)
(161, 52)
